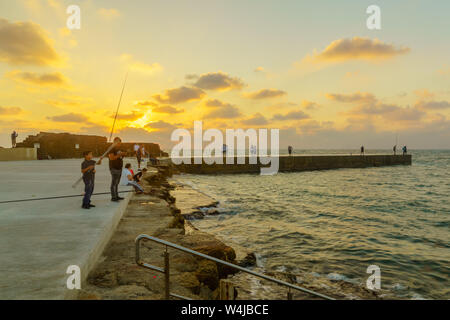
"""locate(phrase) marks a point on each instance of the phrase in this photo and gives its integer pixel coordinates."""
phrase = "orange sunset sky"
(310, 68)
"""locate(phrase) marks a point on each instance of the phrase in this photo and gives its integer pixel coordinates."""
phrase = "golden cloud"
(55, 79)
(220, 81)
(179, 95)
(139, 66)
(8, 111)
(167, 109)
(25, 43)
(264, 94)
(363, 97)
(356, 48)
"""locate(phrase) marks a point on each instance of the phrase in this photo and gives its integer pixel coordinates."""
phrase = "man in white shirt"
(127, 179)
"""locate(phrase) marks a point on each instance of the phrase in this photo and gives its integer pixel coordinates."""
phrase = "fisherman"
(394, 149)
(362, 150)
(290, 150)
(115, 167)
(14, 136)
(127, 179)
(88, 171)
(405, 150)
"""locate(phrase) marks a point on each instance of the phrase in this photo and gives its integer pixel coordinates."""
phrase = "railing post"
(167, 273)
(289, 294)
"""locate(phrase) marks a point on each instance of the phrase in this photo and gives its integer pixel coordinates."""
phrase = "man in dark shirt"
(115, 167)
(88, 171)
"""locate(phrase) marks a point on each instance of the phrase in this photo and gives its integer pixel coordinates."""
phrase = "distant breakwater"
(297, 163)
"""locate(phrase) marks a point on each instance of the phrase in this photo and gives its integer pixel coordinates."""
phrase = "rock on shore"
(116, 275)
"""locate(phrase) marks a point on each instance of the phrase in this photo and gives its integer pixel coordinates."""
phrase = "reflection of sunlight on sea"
(336, 223)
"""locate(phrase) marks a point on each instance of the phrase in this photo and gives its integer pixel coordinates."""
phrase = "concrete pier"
(299, 163)
(40, 239)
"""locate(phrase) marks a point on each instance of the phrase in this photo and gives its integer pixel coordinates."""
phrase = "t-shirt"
(115, 164)
(124, 178)
(136, 147)
(88, 175)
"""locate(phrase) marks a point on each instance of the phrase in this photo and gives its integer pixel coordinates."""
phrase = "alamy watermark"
(374, 280)
(189, 150)
(74, 280)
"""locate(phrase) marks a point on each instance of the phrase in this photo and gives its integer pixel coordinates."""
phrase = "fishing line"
(60, 197)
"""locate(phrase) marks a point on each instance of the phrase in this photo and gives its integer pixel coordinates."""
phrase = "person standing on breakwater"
(14, 136)
(362, 150)
(138, 153)
(115, 167)
(405, 150)
(290, 150)
(394, 149)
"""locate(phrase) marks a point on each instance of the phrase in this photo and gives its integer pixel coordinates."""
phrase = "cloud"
(160, 125)
(8, 111)
(265, 94)
(370, 108)
(69, 117)
(432, 105)
(220, 110)
(139, 66)
(25, 43)
(256, 120)
(259, 69)
(129, 116)
(292, 115)
(356, 48)
(220, 81)
(167, 109)
(215, 103)
(109, 14)
(145, 103)
(351, 98)
(309, 105)
(423, 93)
(54, 79)
(179, 95)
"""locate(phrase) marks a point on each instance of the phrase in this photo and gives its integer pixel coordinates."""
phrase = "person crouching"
(127, 179)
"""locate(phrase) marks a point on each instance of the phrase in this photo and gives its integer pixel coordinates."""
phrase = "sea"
(332, 225)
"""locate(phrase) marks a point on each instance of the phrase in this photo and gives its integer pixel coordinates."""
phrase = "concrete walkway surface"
(40, 239)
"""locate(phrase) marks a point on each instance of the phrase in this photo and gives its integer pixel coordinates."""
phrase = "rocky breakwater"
(116, 275)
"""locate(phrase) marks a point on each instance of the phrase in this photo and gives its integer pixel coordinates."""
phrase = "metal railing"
(166, 270)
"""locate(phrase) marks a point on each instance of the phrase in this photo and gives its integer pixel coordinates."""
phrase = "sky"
(311, 69)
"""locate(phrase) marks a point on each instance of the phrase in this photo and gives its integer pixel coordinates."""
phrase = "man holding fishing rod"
(115, 167)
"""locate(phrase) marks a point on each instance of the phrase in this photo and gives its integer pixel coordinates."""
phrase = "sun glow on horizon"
(142, 121)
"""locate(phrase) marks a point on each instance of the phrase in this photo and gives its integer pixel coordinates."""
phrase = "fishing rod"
(118, 106)
(112, 130)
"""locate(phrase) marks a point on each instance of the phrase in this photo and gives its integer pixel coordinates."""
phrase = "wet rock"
(189, 281)
(103, 279)
(248, 261)
(194, 215)
(208, 274)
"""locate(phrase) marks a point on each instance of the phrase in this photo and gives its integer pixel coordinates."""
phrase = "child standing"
(88, 171)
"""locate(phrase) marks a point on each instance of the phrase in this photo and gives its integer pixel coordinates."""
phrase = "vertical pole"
(167, 273)
(289, 294)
